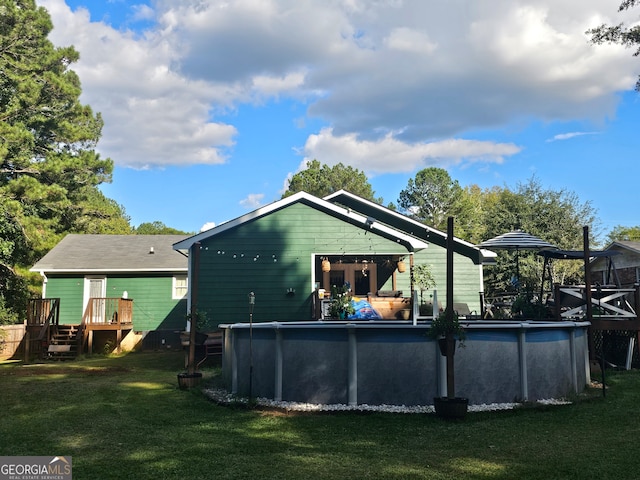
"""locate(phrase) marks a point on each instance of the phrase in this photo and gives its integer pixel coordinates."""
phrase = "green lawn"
(125, 418)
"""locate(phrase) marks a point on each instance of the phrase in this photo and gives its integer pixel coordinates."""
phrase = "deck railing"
(105, 314)
(607, 303)
(113, 311)
(43, 317)
(42, 311)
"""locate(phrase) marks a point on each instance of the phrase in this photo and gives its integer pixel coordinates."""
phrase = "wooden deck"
(46, 337)
(106, 314)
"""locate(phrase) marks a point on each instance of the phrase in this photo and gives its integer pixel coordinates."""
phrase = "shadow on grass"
(124, 417)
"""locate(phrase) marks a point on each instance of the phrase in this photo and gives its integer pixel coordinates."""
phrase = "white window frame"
(175, 286)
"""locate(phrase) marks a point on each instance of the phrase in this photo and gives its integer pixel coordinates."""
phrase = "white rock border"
(223, 397)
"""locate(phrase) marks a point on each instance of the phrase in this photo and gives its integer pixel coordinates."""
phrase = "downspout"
(189, 287)
(44, 283)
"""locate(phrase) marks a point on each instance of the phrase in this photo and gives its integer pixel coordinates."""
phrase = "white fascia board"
(186, 244)
(42, 271)
(488, 257)
(400, 216)
(415, 243)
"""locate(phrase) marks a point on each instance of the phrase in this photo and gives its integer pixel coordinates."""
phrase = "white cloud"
(153, 116)
(389, 154)
(207, 226)
(409, 40)
(567, 136)
(253, 200)
(143, 12)
(389, 77)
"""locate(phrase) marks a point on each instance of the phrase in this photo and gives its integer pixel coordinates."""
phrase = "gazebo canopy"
(516, 240)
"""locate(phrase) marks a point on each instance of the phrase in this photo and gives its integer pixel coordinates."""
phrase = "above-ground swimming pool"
(396, 363)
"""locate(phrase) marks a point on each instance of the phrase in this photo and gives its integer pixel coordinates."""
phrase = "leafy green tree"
(556, 216)
(157, 228)
(431, 197)
(620, 232)
(322, 180)
(620, 34)
(49, 170)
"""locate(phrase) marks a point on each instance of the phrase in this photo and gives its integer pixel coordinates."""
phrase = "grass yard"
(125, 418)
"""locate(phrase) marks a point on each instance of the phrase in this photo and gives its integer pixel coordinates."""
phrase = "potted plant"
(447, 330)
(423, 279)
(341, 306)
(202, 325)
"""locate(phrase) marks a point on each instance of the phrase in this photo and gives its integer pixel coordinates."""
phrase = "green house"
(89, 273)
(291, 252)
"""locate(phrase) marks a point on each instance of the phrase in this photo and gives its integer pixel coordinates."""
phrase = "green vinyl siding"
(69, 289)
(153, 306)
(271, 255)
(467, 272)
(466, 276)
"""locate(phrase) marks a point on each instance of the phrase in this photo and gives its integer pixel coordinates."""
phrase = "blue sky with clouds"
(210, 106)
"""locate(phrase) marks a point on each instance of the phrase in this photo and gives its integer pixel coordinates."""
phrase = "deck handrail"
(45, 313)
(115, 312)
(608, 302)
(108, 310)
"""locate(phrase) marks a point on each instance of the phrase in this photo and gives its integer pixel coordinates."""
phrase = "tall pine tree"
(49, 169)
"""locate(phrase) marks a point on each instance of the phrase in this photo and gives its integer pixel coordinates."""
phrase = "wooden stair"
(63, 344)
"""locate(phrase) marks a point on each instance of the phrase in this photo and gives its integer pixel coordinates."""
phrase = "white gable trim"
(345, 213)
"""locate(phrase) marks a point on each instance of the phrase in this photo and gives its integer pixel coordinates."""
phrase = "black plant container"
(451, 408)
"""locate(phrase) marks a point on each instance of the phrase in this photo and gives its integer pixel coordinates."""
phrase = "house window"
(180, 287)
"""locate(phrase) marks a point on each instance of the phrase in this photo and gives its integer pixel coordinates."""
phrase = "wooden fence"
(11, 337)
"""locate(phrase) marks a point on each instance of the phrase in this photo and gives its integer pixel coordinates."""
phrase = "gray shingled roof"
(102, 253)
(631, 245)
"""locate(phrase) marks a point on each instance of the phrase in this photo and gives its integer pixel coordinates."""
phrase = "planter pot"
(451, 408)
(189, 380)
(442, 343)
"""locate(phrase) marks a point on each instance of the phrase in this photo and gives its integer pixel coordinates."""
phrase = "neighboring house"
(277, 253)
(622, 269)
(142, 268)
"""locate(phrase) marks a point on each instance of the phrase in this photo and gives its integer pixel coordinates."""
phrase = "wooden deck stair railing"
(43, 317)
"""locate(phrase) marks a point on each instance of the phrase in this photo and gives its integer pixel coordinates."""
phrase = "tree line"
(50, 173)
(557, 216)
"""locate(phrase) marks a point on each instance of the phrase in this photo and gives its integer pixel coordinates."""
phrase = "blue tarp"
(364, 310)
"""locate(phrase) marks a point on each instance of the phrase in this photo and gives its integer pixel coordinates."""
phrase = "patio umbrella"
(516, 240)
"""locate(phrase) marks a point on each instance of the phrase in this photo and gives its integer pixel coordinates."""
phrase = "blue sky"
(211, 106)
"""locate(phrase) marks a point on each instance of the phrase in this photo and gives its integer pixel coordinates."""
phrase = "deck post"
(118, 338)
(587, 291)
(27, 344)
